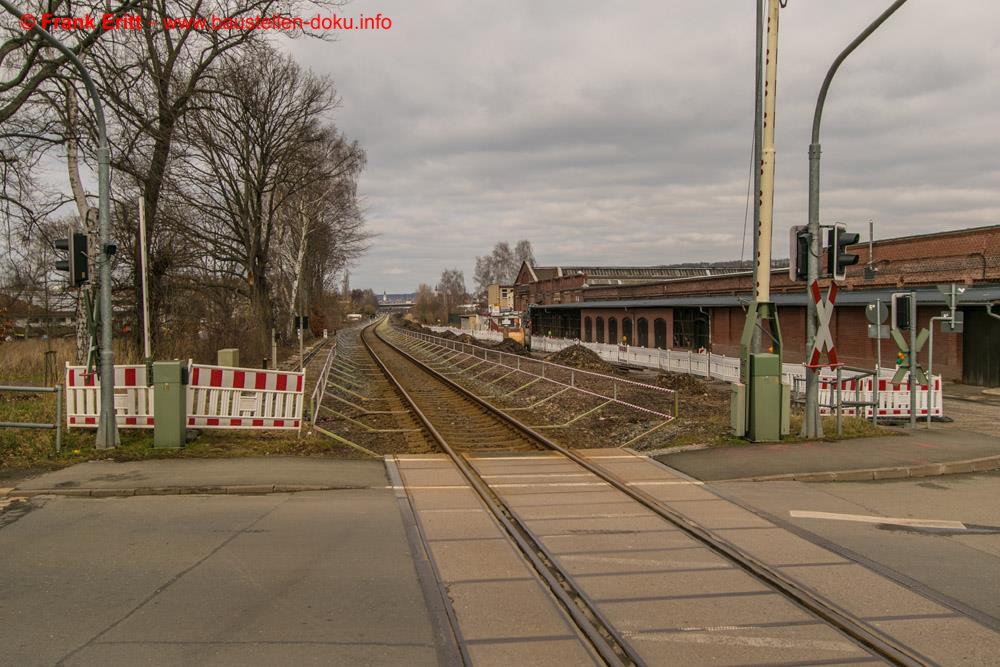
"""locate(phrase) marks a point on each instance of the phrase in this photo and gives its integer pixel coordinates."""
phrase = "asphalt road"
(309, 578)
(961, 565)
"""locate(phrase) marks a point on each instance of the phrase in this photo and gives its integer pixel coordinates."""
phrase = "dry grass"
(23, 361)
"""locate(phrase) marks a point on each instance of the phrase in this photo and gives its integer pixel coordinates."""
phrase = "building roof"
(620, 275)
(973, 296)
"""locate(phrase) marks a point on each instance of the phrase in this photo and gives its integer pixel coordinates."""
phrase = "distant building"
(499, 298)
(689, 310)
(538, 285)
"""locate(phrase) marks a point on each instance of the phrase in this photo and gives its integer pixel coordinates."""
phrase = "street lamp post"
(812, 425)
(107, 429)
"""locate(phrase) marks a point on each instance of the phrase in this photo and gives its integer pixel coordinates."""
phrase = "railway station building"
(703, 307)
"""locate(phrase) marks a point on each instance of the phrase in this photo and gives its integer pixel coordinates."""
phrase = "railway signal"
(901, 312)
(798, 253)
(837, 257)
(75, 264)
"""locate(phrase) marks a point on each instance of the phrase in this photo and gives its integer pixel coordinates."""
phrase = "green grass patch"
(31, 448)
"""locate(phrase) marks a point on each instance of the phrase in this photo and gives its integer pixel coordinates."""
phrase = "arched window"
(627, 331)
(612, 330)
(600, 329)
(586, 329)
(660, 333)
(642, 332)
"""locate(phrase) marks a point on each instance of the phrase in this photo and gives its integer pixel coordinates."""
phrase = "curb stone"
(895, 472)
(238, 489)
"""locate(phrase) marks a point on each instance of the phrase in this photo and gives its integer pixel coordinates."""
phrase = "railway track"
(464, 427)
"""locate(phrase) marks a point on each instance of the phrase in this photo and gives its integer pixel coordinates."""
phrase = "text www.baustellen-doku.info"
(55, 22)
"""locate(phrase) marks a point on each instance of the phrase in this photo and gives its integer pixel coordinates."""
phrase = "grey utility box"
(169, 404)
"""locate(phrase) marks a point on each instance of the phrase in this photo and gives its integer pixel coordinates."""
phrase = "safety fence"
(894, 401)
(482, 334)
(317, 395)
(638, 396)
(889, 400)
(218, 397)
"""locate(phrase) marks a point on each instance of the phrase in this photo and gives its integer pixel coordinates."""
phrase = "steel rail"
(848, 624)
(521, 536)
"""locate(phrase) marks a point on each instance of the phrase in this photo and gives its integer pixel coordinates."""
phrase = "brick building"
(693, 312)
(545, 285)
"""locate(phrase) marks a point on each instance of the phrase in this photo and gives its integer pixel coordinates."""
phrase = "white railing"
(608, 387)
(317, 396)
(482, 334)
(893, 401)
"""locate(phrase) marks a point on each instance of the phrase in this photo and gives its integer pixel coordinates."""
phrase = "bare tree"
(151, 79)
(501, 265)
(267, 177)
(426, 305)
(451, 291)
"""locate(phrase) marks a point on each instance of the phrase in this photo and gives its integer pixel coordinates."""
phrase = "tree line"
(248, 189)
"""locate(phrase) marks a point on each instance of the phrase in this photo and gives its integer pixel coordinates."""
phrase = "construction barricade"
(893, 399)
(133, 399)
(217, 397)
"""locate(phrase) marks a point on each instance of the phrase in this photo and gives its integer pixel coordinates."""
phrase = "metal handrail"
(317, 395)
(450, 344)
(57, 425)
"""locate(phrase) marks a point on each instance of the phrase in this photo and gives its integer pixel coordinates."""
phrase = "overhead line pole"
(107, 429)
(812, 425)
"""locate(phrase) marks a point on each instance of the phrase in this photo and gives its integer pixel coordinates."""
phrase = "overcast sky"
(619, 133)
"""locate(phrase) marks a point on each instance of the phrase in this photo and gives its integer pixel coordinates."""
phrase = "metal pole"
(274, 348)
(840, 410)
(59, 406)
(813, 426)
(145, 283)
(758, 130)
(878, 361)
(107, 430)
(930, 365)
(766, 192)
(913, 359)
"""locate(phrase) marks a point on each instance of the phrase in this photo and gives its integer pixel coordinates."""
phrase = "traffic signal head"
(901, 311)
(837, 257)
(75, 263)
(798, 253)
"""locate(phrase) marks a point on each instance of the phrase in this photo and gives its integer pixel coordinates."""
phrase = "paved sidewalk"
(178, 577)
(171, 477)
(936, 451)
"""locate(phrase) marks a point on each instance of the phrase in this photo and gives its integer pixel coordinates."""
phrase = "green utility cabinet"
(764, 420)
(169, 404)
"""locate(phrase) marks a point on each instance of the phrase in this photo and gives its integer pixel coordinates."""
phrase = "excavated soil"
(578, 356)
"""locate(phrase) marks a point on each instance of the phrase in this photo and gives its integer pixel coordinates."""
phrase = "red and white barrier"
(133, 399)
(221, 397)
(893, 399)
(217, 397)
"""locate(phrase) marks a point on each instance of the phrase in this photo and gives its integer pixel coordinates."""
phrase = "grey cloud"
(610, 132)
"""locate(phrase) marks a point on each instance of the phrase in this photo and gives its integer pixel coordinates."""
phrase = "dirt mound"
(689, 384)
(409, 324)
(578, 356)
(511, 346)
